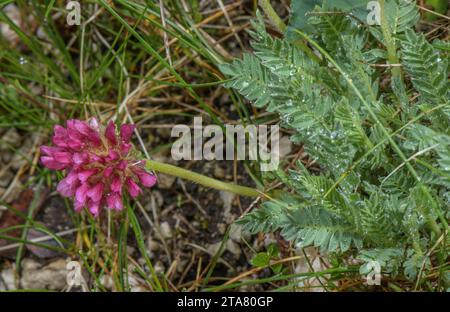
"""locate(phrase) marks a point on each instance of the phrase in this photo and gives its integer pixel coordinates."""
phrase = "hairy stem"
(390, 43)
(272, 15)
(281, 27)
(201, 179)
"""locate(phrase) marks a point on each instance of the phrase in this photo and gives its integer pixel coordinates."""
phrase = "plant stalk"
(201, 179)
(272, 15)
(390, 43)
(281, 27)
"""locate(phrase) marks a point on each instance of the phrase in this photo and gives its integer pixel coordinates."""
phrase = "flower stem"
(272, 15)
(281, 27)
(201, 179)
(389, 41)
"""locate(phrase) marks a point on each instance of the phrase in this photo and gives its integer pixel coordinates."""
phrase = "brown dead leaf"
(10, 218)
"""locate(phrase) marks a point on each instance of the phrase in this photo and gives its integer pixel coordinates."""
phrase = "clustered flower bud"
(101, 165)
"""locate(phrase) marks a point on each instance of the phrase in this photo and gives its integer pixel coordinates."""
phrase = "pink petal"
(108, 171)
(84, 175)
(116, 185)
(78, 206)
(133, 188)
(81, 127)
(60, 141)
(50, 163)
(93, 123)
(63, 157)
(122, 165)
(112, 155)
(96, 192)
(126, 131)
(72, 130)
(67, 186)
(96, 158)
(65, 189)
(79, 131)
(110, 201)
(50, 150)
(94, 207)
(110, 132)
(80, 194)
(59, 131)
(72, 177)
(147, 179)
(75, 144)
(60, 136)
(125, 148)
(114, 201)
(94, 137)
(80, 158)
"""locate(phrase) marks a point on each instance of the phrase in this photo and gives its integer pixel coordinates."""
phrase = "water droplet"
(333, 135)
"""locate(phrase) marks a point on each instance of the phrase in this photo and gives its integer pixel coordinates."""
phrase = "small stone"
(52, 276)
(165, 181)
(234, 248)
(213, 248)
(221, 227)
(18, 161)
(134, 282)
(285, 146)
(166, 230)
(14, 192)
(6, 178)
(38, 251)
(131, 250)
(269, 239)
(235, 232)
(159, 198)
(6, 156)
(156, 201)
(137, 288)
(182, 265)
(13, 12)
(227, 199)
(153, 245)
(10, 138)
(7, 280)
(142, 262)
(219, 172)
(159, 267)
(108, 282)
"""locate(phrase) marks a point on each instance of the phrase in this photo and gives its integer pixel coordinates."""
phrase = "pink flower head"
(99, 163)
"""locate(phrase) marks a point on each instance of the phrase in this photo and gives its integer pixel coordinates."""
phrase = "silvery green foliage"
(364, 200)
